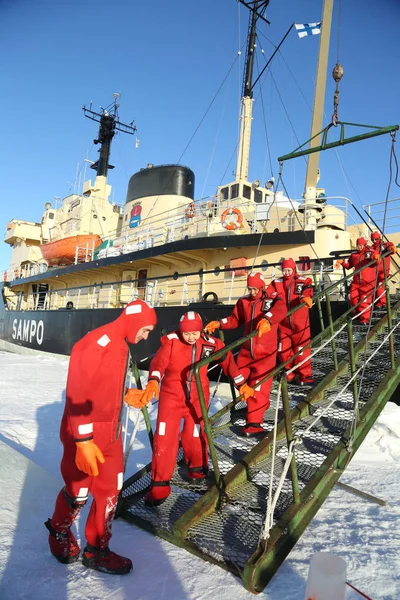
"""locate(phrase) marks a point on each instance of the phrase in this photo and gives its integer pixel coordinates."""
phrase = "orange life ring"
(231, 219)
(191, 210)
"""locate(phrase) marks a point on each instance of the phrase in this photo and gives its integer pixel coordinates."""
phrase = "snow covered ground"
(32, 389)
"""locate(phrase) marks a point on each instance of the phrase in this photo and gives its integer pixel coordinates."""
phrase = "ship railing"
(172, 290)
(330, 330)
(23, 271)
(382, 213)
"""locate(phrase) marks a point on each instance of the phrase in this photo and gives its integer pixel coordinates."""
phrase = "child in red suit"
(294, 331)
(173, 367)
(261, 309)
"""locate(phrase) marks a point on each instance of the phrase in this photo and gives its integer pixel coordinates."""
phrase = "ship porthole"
(264, 265)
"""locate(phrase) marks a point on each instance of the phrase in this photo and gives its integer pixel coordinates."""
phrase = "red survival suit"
(257, 356)
(363, 283)
(173, 366)
(294, 331)
(380, 247)
(94, 400)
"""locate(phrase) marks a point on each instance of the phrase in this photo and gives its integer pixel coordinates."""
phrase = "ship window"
(247, 192)
(51, 215)
(234, 191)
(225, 193)
(258, 196)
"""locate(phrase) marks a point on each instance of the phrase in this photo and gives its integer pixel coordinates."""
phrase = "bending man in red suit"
(261, 309)
(294, 331)
(173, 367)
(363, 283)
(91, 436)
(378, 248)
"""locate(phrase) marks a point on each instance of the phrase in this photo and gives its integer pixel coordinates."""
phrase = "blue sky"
(167, 60)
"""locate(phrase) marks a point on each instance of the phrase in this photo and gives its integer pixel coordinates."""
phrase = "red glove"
(87, 455)
(392, 248)
(263, 326)
(338, 263)
(246, 391)
(307, 301)
(212, 326)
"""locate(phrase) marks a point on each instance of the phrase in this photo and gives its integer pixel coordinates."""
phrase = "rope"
(380, 251)
(268, 523)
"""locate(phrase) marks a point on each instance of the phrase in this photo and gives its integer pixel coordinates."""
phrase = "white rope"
(270, 510)
(134, 432)
(268, 523)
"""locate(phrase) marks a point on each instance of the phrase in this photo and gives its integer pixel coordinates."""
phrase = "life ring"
(231, 218)
(214, 297)
(191, 210)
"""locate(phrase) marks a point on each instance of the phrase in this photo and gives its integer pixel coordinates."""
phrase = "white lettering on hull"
(28, 330)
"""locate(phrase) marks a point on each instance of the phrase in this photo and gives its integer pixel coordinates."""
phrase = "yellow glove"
(307, 301)
(212, 326)
(263, 326)
(338, 263)
(87, 455)
(135, 398)
(246, 391)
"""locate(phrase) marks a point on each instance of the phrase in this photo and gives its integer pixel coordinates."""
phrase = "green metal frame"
(342, 139)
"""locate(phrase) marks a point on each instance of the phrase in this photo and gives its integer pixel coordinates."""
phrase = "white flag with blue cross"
(304, 29)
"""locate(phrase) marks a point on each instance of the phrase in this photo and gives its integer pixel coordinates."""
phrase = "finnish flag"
(304, 29)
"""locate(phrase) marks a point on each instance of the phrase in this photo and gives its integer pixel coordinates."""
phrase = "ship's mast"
(310, 206)
(257, 9)
(109, 123)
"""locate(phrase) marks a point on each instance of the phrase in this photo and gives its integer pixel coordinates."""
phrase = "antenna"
(109, 124)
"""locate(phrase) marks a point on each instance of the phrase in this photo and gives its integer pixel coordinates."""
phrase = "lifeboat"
(64, 251)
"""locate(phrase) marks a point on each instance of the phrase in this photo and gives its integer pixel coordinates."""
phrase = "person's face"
(191, 337)
(143, 333)
(360, 247)
(253, 291)
(287, 272)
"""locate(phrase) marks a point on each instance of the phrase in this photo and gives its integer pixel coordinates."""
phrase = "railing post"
(145, 412)
(331, 331)
(289, 438)
(318, 300)
(389, 317)
(353, 366)
(207, 428)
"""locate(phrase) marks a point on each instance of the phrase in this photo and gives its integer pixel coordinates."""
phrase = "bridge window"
(225, 193)
(246, 192)
(258, 196)
(234, 191)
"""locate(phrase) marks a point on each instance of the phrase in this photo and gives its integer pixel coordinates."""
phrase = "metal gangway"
(260, 495)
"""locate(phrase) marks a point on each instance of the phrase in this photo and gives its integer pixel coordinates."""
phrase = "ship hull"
(56, 331)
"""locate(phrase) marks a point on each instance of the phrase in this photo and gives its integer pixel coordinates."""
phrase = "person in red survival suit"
(363, 283)
(262, 310)
(378, 248)
(294, 331)
(173, 367)
(90, 433)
